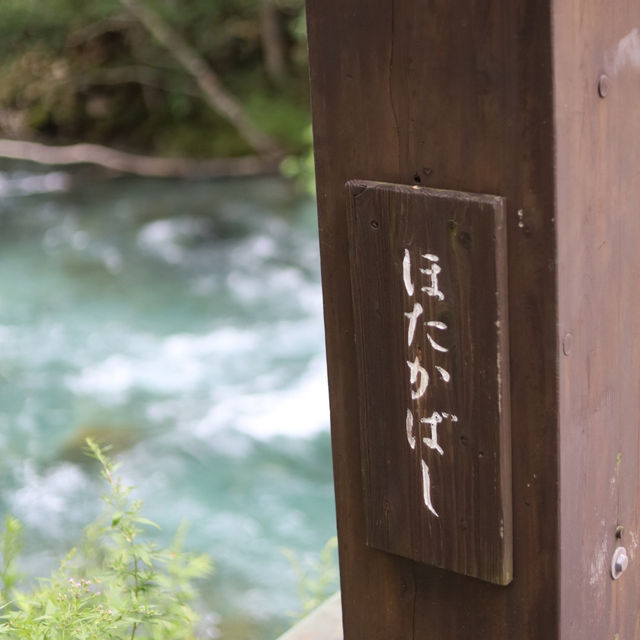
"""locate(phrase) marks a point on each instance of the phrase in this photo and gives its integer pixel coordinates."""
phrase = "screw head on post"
(619, 562)
(603, 86)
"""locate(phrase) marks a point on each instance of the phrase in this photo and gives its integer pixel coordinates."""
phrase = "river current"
(181, 321)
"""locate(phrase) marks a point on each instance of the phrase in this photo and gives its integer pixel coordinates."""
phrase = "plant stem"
(136, 588)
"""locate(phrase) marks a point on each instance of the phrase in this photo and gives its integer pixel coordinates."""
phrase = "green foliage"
(86, 71)
(25, 22)
(301, 167)
(10, 546)
(317, 582)
(117, 584)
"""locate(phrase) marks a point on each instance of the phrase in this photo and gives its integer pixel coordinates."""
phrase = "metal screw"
(619, 562)
(567, 344)
(603, 86)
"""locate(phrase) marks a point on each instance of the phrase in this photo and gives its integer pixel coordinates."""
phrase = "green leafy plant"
(10, 546)
(117, 584)
(317, 580)
(301, 167)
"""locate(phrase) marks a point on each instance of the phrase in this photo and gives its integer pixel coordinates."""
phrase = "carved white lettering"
(410, 435)
(435, 269)
(444, 374)
(435, 345)
(406, 272)
(413, 321)
(418, 375)
(426, 489)
(432, 442)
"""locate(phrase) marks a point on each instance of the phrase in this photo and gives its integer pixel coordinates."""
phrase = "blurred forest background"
(194, 79)
(177, 320)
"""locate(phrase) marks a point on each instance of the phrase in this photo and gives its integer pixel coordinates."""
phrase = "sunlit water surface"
(182, 321)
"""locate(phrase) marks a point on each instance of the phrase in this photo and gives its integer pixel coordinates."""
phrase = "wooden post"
(534, 102)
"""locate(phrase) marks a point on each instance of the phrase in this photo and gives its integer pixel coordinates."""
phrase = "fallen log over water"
(122, 161)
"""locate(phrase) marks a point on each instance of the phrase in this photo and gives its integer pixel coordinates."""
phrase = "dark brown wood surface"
(428, 271)
(453, 95)
(537, 101)
(598, 165)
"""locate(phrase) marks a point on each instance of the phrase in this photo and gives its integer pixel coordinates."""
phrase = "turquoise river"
(181, 321)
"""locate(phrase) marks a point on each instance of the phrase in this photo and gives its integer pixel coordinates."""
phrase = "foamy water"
(184, 322)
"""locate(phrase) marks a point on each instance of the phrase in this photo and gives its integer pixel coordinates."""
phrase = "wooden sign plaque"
(429, 279)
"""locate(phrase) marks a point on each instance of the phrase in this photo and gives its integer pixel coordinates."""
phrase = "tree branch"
(218, 98)
(271, 38)
(136, 164)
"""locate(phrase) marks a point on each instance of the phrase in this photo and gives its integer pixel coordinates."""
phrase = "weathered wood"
(598, 200)
(536, 101)
(428, 270)
(453, 95)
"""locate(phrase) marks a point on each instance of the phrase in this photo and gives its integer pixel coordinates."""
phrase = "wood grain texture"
(598, 192)
(457, 95)
(428, 271)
